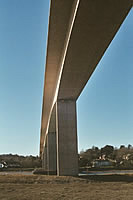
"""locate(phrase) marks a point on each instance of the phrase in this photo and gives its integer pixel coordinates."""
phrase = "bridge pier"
(66, 130)
(45, 159)
(51, 153)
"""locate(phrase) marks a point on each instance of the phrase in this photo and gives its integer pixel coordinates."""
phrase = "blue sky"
(23, 37)
(105, 109)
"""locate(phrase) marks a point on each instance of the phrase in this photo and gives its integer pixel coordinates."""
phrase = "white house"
(1, 165)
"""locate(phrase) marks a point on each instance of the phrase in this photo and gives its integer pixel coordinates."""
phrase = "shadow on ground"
(109, 178)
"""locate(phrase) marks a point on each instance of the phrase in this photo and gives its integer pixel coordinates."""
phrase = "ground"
(38, 187)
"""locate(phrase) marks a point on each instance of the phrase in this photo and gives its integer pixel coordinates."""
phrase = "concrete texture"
(95, 26)
(51, 143)
(45, 158)
(49, 162)
(66, 128)
(51, 153)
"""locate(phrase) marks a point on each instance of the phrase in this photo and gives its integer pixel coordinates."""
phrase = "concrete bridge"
(79, 33)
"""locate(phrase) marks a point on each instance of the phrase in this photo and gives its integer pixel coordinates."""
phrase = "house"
(101, 163)
(1, 165)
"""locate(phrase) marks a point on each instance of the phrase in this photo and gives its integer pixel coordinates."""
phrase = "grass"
(36, 187)
(15, 169)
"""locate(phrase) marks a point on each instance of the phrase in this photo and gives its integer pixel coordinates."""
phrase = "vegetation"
(119, 157)
(16, 161)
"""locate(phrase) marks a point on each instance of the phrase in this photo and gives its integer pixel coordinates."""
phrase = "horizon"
(115, 147)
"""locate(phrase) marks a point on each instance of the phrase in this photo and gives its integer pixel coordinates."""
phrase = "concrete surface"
(66, 129)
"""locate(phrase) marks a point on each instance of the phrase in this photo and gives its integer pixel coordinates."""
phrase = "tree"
(122, 147)
(107, 150)
(129, 146)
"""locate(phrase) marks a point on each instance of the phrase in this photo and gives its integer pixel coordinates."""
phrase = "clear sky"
(105, 108)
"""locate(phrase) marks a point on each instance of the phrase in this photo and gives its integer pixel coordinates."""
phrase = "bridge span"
(79, 33)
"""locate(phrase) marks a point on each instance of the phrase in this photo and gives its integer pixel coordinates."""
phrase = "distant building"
(101, 163)
(14, 165)
(1, 165)
(126, 156)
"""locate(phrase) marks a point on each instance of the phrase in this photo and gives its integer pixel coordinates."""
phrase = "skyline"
(105, 105)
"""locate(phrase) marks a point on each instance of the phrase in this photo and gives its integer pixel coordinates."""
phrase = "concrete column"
(51, 153)
(42, 158)
(45, 159)
(66, 130)
(51, 144)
